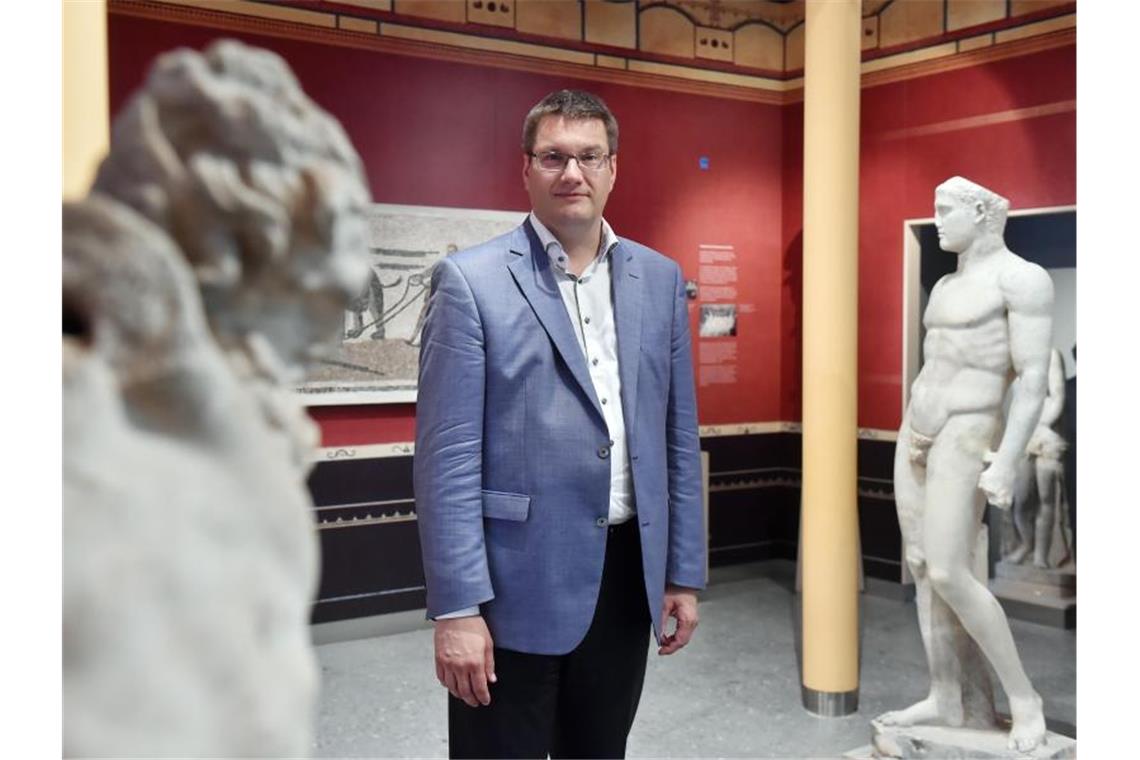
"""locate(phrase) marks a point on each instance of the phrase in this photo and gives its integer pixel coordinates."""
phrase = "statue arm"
(1029, 301)
(1055, 395)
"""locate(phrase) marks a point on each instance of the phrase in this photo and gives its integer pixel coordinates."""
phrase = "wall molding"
(982, 120)
(970, 58)
(408, 448)
(684, 79)
(366, 451)
(399, 35)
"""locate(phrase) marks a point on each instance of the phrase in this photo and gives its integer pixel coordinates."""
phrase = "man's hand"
(465, 659)
(996, 482)
(681, 604)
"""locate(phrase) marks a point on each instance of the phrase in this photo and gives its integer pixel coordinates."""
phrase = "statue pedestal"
(953, 743)
(1040, 595)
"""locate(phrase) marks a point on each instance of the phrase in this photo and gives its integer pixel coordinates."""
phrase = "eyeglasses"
(555, 161)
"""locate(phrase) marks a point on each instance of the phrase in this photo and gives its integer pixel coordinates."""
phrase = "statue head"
(258, 186)
(965, 211)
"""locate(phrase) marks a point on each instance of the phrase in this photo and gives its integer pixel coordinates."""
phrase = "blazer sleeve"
(685, 564)
(448, 464)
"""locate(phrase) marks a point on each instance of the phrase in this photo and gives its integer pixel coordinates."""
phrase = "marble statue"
(222, 240)
(1041, 504)
(986, 322)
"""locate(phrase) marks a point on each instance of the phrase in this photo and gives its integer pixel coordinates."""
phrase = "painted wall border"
(408, 448)
(328, 28)
(695, 81)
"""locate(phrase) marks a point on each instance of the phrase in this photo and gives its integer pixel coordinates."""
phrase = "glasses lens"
(592, 161)
(552, 160)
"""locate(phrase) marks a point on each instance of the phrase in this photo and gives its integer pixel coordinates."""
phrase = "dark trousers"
(576, 705)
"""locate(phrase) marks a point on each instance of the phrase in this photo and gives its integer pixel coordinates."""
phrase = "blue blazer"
(512, 469)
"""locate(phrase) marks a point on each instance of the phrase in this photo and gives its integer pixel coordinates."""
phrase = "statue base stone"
(927, 742)
(1040, 595)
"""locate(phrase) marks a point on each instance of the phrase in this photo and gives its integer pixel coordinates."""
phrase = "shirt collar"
(555, 251)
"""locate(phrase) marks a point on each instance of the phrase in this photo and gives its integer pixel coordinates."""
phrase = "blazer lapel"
(532, 273)
(627, 289)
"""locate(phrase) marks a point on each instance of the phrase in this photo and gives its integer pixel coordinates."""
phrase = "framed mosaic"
(377, 360)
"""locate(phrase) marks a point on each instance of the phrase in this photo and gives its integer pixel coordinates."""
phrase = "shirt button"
(603, 401)
(595, 362)
(601, 522)
(586, 320)
(611, 441)
(603, 452)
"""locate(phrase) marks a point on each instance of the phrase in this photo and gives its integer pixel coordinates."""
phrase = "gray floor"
(733, 692)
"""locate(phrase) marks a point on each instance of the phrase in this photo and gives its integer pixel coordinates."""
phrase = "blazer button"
(601, 522)
(603, 452)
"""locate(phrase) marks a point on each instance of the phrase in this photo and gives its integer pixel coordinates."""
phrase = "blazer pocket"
(506, 506)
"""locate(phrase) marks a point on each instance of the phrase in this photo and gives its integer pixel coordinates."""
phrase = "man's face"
(957, 221)
(573, 197)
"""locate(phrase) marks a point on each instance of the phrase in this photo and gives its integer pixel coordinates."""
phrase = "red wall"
(444, 134)
(1031, 161)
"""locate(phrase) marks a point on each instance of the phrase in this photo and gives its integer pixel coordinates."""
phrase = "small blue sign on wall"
(703, 161)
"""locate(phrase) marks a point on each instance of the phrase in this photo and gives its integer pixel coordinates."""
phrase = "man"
(557, 472)
(986, 322)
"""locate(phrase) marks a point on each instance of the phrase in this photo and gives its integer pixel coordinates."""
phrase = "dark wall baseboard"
(370, 552)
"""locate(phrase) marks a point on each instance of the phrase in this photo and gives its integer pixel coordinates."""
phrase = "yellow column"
(86, 118)
(829, 521)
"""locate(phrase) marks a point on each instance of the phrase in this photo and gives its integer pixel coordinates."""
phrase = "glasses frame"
(605, 158)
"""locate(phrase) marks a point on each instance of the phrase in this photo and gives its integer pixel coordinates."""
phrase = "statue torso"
(966, 351)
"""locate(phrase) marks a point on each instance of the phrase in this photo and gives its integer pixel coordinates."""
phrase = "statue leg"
(1064, 527)
(943, 703)
(1024, 500)
(1046, 510)
(977, 689)
(974, 674)
(953, 515)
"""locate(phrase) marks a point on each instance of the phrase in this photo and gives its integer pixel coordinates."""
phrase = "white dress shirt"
(589, 302)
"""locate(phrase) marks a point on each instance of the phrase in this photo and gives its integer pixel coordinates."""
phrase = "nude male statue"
(986, 323)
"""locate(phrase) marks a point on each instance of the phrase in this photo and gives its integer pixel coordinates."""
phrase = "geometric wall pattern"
(741, 49)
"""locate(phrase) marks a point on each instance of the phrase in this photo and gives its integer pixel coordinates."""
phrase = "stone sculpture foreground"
(222, 239)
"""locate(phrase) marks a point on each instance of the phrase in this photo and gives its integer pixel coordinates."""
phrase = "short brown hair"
(574, 105)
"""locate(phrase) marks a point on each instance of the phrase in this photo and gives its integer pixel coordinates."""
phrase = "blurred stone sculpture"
(223, 238)
(985, 323)
(1041, 504)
